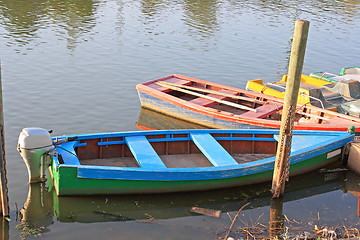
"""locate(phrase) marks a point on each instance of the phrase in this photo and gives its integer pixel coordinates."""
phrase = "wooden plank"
(230, 93)
(263, 111)
(208, 102)
(312, 115)
(206, 97)
(214, 152)
(143, 152)
(172, 80)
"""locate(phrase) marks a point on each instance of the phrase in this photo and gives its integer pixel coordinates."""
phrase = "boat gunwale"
(265, 164)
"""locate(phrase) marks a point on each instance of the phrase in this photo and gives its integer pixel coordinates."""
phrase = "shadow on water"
(151, 120)
(42, 204)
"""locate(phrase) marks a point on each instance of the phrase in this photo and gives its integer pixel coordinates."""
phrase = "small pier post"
(3, 180)
(297, 55)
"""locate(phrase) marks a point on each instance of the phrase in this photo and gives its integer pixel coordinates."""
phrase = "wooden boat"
(218, 106)
(170, 160)
(347, 73)
(342, 96)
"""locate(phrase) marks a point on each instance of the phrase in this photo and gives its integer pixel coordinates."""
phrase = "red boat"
(218, 106)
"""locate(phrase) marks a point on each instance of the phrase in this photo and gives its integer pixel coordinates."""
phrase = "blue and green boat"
(165, 161)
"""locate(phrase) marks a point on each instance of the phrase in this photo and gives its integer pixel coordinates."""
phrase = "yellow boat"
(316, 92)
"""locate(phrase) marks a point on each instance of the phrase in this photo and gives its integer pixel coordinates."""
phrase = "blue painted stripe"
(214, 152)
(144, 153)
(183, 174)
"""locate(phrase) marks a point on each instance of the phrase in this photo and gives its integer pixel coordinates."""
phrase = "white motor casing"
(33, 143)
(33, 138)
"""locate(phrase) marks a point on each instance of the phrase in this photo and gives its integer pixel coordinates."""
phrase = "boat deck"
(173, 161)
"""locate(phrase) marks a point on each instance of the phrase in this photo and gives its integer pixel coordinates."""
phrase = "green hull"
(66, 181)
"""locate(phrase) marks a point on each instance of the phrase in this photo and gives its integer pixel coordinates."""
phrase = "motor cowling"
(33, 144)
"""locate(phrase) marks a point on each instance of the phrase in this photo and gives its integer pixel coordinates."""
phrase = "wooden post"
(281, 167)
(3, 181)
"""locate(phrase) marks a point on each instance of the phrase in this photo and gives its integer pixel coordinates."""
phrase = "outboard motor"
(33, 144)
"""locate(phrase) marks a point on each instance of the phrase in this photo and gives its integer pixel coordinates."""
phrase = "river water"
(72, 66)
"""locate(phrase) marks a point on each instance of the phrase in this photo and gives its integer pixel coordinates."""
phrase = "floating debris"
(206, 211)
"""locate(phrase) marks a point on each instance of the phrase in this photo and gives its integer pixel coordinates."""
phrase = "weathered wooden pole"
(281, 168)
(3, 184)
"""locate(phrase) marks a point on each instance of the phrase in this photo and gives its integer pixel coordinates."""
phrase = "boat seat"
(68, 153)
(173, 79)
(214, 152)
(300, 142)
(263, 111)
(143, 152)
(207, 102)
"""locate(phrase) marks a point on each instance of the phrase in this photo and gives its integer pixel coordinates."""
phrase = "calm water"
(72, 66)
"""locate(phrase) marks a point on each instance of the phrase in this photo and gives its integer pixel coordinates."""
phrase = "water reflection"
(4, 229)
(151, 120)
(352, 185)
(276, 218)
(201, 17)
(69, 20)
(42, 203)
(25, 20)
(38, 208)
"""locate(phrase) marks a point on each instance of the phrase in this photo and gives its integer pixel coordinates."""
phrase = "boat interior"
(183, 150)
(239, 103)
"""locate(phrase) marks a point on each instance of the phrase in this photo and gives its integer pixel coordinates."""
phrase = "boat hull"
(194, 115)
(67, 182)
(78, 179)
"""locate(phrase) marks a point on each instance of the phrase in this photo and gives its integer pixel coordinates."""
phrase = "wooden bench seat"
(143, 152)
(263, 111)
(214, 152)
(207, 102)
(174, 80)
